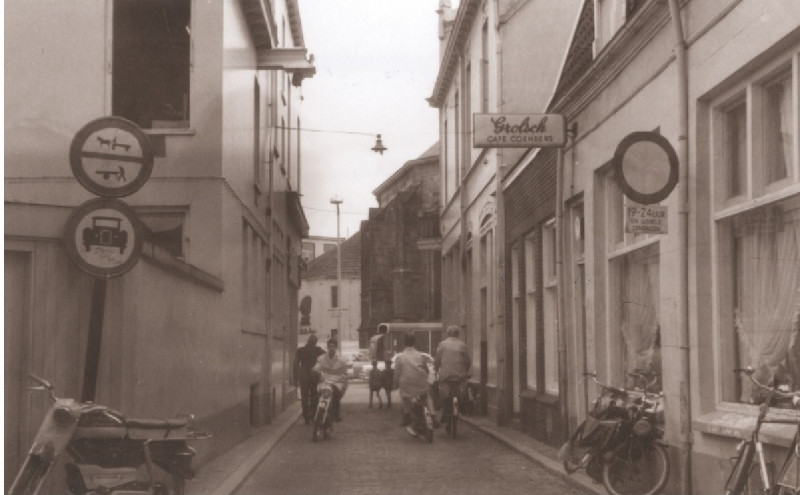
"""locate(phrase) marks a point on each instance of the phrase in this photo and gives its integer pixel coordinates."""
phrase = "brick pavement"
(367, 436)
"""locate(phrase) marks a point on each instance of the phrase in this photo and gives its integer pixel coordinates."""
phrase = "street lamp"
(337, 200)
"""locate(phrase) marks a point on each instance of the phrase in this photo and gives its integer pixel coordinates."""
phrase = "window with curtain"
(766, 276)
(757, 225)
(637, 314)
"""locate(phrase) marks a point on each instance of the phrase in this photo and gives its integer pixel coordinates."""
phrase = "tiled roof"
(580, 55)
(324, 265)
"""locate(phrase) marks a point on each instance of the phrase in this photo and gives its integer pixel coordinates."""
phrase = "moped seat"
(157, 424)
(157, 428)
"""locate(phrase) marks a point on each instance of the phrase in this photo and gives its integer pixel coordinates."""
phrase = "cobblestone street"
(369, 453)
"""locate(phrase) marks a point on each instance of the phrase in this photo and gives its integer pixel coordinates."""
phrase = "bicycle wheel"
(452, 421)
(741, 470)
(641, 468)
(788, 480)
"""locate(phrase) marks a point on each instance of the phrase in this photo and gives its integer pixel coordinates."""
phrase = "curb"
(526, 447)
(243, 459)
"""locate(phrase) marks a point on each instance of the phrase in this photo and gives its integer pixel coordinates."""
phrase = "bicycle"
(741, 480)
(619, 442)
(450, 404)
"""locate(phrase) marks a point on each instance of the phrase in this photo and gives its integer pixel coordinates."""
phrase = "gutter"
(683, 239)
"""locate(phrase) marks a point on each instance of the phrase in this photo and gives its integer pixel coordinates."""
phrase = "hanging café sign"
(493, 130)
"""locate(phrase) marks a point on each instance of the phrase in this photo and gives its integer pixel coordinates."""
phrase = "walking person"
(387, 382)
(375, 384)
(304, 360)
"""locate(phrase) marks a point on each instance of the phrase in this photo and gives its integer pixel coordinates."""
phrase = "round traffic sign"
(104, 237)
(646, 167)
(111, 157)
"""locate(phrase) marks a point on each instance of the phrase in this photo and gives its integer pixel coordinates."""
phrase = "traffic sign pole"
(111, 157)
(94, 341)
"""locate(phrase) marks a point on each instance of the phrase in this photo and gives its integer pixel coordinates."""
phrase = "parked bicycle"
(750, 459)
(619, 442)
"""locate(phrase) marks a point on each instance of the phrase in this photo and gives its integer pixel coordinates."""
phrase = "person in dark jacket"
(304, 359)
(387, 382)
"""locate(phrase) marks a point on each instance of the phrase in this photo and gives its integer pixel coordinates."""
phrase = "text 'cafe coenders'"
(498, 130)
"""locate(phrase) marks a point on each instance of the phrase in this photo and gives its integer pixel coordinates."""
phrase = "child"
(375, 384)
(387, 382)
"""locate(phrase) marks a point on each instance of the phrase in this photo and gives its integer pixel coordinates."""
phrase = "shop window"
(151, 53)
(757, 229)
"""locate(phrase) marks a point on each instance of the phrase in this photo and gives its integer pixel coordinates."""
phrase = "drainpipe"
(683, 239)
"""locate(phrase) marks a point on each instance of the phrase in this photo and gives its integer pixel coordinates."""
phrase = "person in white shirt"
(333, 370)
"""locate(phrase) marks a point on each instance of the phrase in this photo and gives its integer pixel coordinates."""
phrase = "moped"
(619, 442)
(323, 423)
(108, 452)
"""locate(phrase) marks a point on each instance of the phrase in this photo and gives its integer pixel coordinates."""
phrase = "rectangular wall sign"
(507, 130)
(646, 219)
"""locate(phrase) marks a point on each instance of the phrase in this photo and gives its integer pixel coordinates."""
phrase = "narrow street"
(369, 453)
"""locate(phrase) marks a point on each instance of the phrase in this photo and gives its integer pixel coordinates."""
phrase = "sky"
(377, 62)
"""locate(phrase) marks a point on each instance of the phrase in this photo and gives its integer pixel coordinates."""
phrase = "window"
(150, 84)
(328, 247)
(550, 307)
(165, 228)
(633, 291)
(308, 251)
(757, 228)
(517, 288)
(735, 121)
(257, 171)
(778, 128)
(485, 67)
(334, 296)
(635, 312)
(530, 309)
(254, 279)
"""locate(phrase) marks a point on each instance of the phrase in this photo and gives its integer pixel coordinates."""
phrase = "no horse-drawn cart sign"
(111, 157)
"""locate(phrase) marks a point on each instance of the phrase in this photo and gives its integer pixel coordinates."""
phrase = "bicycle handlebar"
(750, 371)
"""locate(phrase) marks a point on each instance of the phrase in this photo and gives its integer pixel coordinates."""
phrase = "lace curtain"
(640, 326)
(768, 299)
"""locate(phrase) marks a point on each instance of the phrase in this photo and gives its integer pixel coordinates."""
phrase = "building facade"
(400, 255)
(332, 309)
(211, 303)
(487, 66)
(718, 287)
(315, 245)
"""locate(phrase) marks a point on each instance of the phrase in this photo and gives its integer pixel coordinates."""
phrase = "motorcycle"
(422, 418)
(619, 442)
(107, 450)
(323, 423)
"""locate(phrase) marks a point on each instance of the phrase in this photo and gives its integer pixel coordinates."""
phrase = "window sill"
(739, 420)
(170, 132)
